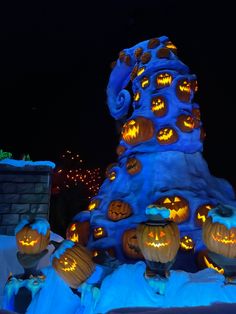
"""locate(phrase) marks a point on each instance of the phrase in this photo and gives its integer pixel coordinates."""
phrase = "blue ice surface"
(23, 163)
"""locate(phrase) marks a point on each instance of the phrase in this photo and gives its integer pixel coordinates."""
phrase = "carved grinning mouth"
(72, 267)
(164, 81)
(166, 135)
(225, 240)
(157, 107)
(185, 88)
(189, 124)
(75, 237)
(201, 217)
(131, 132)
(157, 245)
(210, 265)
(31, 243)
(179, 212)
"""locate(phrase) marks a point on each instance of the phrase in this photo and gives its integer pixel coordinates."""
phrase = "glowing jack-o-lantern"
(159, 106)
(119, 210)
(130, 244)
(137, 130)
(183, 90)
(78, 232)
(73, 263)
(32, 237)
(167, 136)
(158, 242)
(204, 261)
(201, 213)
(186, 243)
(197, 117)
(171, 46)
(185, 123)
(94, 204)
(178, 206)
(99, 233)
(163, 80)
(217, 237)
(133, 166)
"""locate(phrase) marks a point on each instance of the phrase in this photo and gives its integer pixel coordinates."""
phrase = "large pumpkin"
(158, 242)
(219, 231)
(73, 263)
(119, 210)
(78, 232)
(130, 244)
(137, 130)
(32, 237)
(178, 206)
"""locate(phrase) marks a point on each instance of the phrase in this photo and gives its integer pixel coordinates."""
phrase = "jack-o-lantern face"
(171, 46)
(183, 90)
(119, 210)
(31, 241)
(185, 123)
(164, 80)
(74, 265)
(94, 204)
(217, 237)
(120, 150)
(133, 166)
(159, 106)
(130, 244)
(197, 117)
(99, 233)
(167, 136)
(186, 243)
(158, 243)
(204, 261)
(78, 232)
(201, 213)
(178, 206)
(145, 82)
(137, 130)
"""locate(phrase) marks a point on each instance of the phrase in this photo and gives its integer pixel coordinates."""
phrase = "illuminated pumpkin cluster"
(73, 263)
(32, 237)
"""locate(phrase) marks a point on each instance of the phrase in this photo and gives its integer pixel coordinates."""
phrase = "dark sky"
(55, 64)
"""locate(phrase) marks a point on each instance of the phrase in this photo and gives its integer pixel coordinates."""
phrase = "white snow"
(23, 163)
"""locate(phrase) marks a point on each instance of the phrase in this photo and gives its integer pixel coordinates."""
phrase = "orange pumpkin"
(130, 244)
(167, 136)
(201, 213)
(185, 123)
(159, 106)
(183, 90)
(119, 210)
(186, 243)
(164, 80)
(78, 232)
(133, 166)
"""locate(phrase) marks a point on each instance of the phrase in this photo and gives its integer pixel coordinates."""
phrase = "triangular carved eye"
(151, 235)
(177, 199)
(167, 200)
(162, 234)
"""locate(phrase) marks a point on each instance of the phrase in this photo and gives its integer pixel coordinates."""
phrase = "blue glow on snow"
(152, 210)
(23, 163)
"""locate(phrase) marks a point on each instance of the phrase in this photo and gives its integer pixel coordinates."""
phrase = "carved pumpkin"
(137, 130)
(159, 106)
(186, 243)
(119, 210)
(32, 237)
(204, 261)
(185, 123)
(178, 206)
(120, 150)
(94, 204)
(145, 82)
(73, 264)
(78, 232)
(130, 244)
(99, 233)
(217, 237)
(201, 213)
(158, 243)
(171, 46)
(163, 80)
(197, 117)
(167, 136)
(133, 166)
(183, 90)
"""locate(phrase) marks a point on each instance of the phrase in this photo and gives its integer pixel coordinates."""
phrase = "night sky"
(55, 65)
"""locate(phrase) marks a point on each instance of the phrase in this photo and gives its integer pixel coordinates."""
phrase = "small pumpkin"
(185, 123)
(164, 80)
(183, 90)
(178, 206)
(119, 210)
(73, 263)
(167, 136)
(186, 243)
(99, 232)
(133, 166)
(158, 243)
(218, 237)
(78, 232)
(32, 237)
(159, 106)
(201, 213)
(137, 130)
(130, 244)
